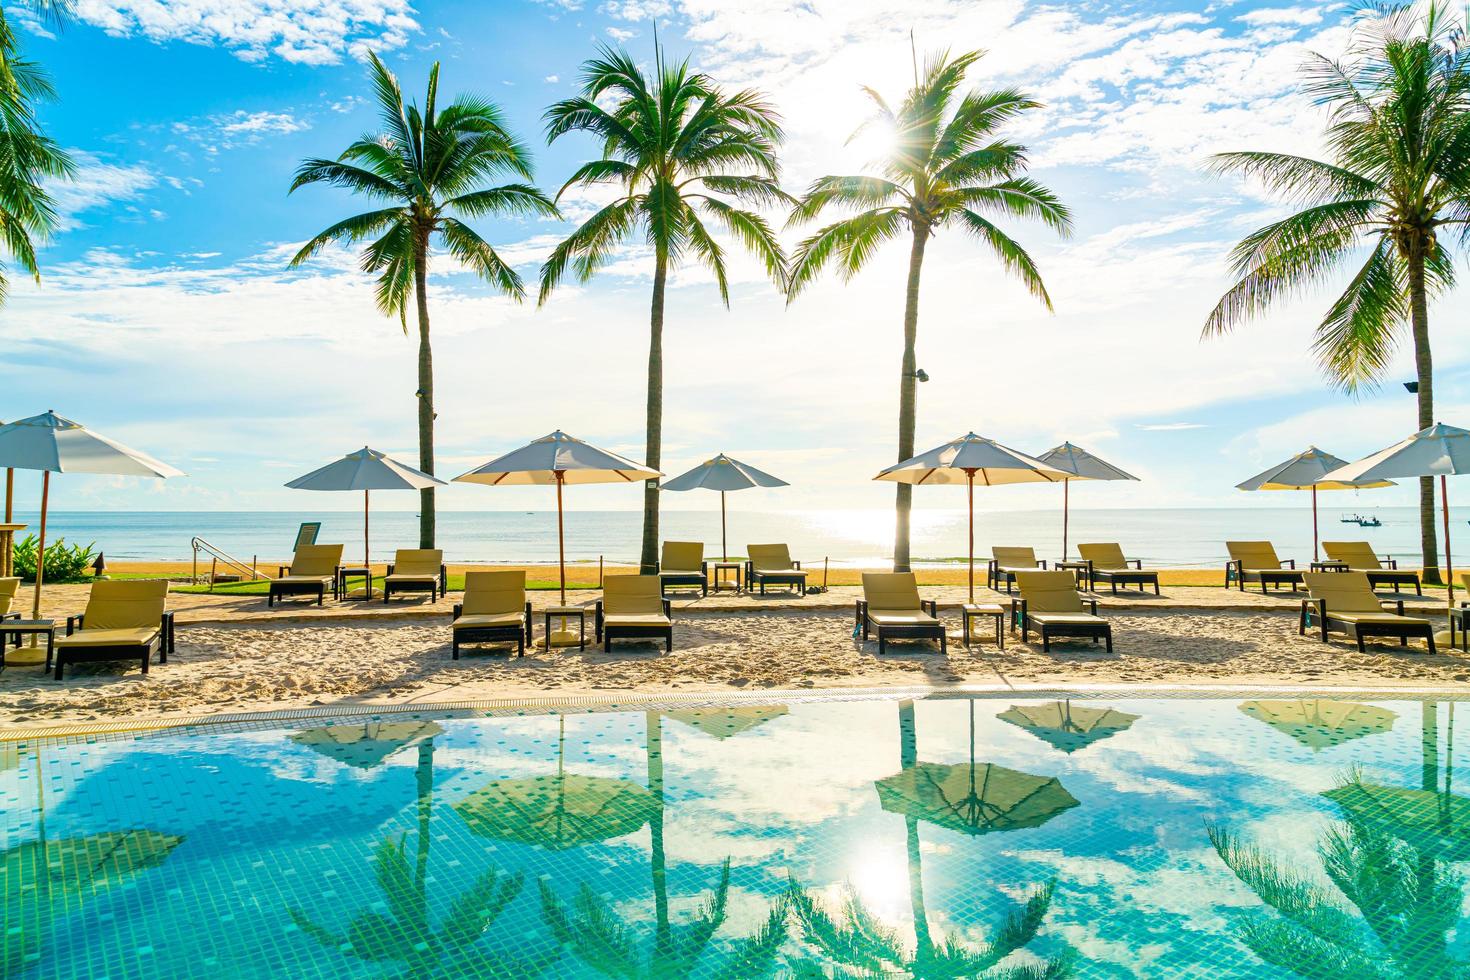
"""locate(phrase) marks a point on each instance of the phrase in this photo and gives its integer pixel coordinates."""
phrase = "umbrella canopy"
(1440, 450)
(974, 798)
(965, 460)
(53, 444)
(1064, 726)
(1320, 724)
(723, 723)
(1080, 465)
(368, 745)
(1308, 470)
(723, 474)
(558, 459)
(366, 470)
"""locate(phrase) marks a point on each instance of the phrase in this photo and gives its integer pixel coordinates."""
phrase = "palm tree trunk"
(663, 937)
(907, 398)
(425, 392)
(648, 561)
(1424, 371)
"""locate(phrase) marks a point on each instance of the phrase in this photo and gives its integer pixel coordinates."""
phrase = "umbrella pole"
(1066, 513)
(1449, 565)
(1315, 556)
(724, 548)
(41, 549)
(367, 557)
(7, 560)
(561, 549)
(970, 490)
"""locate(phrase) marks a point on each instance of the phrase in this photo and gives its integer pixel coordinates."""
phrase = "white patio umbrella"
(558, 459)
(1078, 464)
(53, 444)
(966, 459)
(723, 474)
(1440, 450)
(366, 470)
(1308, 470)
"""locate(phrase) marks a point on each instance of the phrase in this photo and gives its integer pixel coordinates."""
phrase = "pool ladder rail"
(218, 556)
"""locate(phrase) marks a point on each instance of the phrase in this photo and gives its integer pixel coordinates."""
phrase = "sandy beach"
(235, 655)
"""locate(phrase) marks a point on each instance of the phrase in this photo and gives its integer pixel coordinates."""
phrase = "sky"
(167, 317)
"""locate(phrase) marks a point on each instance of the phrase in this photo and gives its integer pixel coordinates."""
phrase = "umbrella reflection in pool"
(368, 745)
(1320, 724)
(1068, 728)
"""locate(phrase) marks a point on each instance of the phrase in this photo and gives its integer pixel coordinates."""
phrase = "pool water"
(939, 837)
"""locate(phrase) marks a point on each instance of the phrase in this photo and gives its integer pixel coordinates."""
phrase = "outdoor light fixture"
(921, 376)
(1412, 387)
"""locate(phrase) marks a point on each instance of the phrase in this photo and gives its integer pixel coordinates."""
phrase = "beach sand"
(260, 663)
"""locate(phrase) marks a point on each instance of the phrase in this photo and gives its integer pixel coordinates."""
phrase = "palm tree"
(684, 153)
(1398, 140)
(429, 168)
(947, 165)
(28, 157)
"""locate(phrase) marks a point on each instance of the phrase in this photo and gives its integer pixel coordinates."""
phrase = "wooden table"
(564, 613)
(977, 610)
(26, 627)
(7, 548)
(727, 566)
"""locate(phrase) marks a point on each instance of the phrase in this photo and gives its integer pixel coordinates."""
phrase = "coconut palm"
(1396, 173)
(429, 167)
(684, 154)
(948, 166)
(28, 157)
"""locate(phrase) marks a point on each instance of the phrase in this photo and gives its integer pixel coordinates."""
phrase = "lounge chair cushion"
(323, 580)
(8, 588)
(1254, 555)
(1049, 592)
(491, 619)
(895, 593)
(316, 560)
(1009, 558)
(772, 559)
(1367, 618)
(126, 604)
(638, 596)
(397, 577)
(1063, 619)
(417, 563)
(138, 636)
(682, 556)
(900, 617)
(494, 594)
(649, 620)
(1344, 593)
(1104, 557)
(1357, 555)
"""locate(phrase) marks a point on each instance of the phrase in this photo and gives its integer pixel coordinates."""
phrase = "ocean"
(1166, 537)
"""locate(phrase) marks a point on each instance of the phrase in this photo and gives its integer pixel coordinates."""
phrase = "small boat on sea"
(1361, 520)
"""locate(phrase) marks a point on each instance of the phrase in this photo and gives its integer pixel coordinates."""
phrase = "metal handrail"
(218, 555)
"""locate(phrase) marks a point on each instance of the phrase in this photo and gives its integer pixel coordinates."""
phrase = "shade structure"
(1440, 450)
(368, 745)
(53, 444)
(723, 723)
(724, 474)
(558, 811)
(558, 459)
(968, 459)
(1319, 723)
(1079, 464)
(1308, 470)
(366, 470)
(1066, 726)
(974, 798)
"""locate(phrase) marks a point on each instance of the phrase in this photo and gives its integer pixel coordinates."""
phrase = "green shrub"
(64, 562)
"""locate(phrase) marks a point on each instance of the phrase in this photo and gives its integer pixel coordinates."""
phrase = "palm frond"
(467, 246)
(754, 233)
(1299, 179)
(590, 247)
(848, 192)
(1013, 257)
(1020, 197)
(508, 199)
(851, 241)
(1356, 340)
(349, 231)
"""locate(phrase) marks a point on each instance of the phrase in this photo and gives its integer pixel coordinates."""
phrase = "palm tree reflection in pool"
(406, 935)
(1388, 859)
(985, 799)
(595, 932)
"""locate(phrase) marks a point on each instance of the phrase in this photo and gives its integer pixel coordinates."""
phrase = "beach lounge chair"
(8, 588)
(682, 565)
(891, 607)
(1256, 561)
(1050, 602)
(1106, 563)
(632, 607)
(1005, 562)
(494, 610)
(1359, 557)
(313, 570)
(417, 570)
(123, 620)
(1344, 602)
(771, 563)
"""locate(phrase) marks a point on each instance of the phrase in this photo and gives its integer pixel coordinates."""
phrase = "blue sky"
(167, 318)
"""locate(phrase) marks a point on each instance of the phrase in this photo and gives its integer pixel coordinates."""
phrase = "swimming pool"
(932, 837)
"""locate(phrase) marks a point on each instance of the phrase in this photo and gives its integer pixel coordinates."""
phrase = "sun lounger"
(417, 570)
(494, 610)
(1106, 563)
(123, 620)
(683, 566)
(1050, 602)
(1344, 602)
(8, 588)
(313, 570)
(772, 564)
(1358, 556)
(632, 607)
(1006, 562)
(1256, 561)
(891, 607)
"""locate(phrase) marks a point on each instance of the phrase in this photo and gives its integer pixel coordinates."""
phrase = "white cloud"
(619, 34)
(551, 79)
(313, 32)
(1283, 15)
(96, 183)
(1171, 426)
(231, 130)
